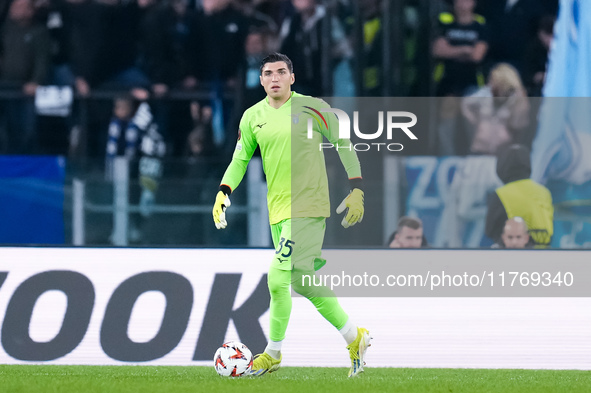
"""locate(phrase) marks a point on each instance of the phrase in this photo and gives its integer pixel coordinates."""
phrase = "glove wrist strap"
(356, 182)
(225, 189)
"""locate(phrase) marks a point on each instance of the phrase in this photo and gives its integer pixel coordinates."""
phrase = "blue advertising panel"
(32, 199)
(449, 194)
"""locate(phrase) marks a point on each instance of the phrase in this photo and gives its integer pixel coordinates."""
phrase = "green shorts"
(298, 243)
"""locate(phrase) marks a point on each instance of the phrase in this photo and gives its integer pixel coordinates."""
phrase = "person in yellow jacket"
(520, 197)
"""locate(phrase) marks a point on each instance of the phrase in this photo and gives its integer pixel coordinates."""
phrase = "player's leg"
(280, 306)
(278, 280)
(308, 235)
(279, 310)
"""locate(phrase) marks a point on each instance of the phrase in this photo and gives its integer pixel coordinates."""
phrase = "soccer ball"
(233, 359)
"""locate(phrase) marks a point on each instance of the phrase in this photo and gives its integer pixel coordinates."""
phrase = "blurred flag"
(560, 152)
(564, 132)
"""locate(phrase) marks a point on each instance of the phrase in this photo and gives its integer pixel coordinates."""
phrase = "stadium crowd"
(156, 48)
(196, 62)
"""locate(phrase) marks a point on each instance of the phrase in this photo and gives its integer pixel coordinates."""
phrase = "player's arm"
(479, 51)
(481, 46)
(245, 147)
(442, 49)
(353, 203)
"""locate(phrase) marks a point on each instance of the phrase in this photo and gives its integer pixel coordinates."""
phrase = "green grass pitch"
(147, 379)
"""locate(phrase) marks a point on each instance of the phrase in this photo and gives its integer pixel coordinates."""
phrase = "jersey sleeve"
(347, 153)
(245, 147)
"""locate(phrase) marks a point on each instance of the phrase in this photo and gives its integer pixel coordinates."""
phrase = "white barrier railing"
(256, 208)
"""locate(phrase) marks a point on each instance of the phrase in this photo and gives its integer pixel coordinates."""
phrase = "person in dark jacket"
(100, 43)
(24, 65)
(512, 24)
(222, 26)
(519, 197)
(304, 40)
(536, 57)
(169, 45)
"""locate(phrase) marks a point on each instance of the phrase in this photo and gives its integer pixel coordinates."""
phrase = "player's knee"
(278, 282)
(278, 289)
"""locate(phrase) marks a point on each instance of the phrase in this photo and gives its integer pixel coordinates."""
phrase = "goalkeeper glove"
(222, 202)
(354, 205)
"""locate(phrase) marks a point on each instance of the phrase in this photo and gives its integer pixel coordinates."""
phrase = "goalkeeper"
(297, 200)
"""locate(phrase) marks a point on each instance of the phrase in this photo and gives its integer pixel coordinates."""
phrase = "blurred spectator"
(24, 65)
(305, 42)
(169, 53)
(519, 197)
(134, 135)
(200, 147)
(409, 234)
(514, 234)
(223, 31)
(53, 15)
(202, 169)
(102, 44)
(498, 112)
(120, 37)
(372, 48)
(249, 88)
(25, 43)
(513, 26)
(278, 10)
(123, 137)
(536, 57)
(257, 19)
(54, 102)
(413, 32)
(461, 45)
(168, 45)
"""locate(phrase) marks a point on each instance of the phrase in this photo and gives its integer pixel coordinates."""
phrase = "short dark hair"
(275, 57)
(412, 223)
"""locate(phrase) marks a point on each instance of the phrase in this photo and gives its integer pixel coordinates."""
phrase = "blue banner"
(560, 153)
(450, 196)
(32, 200)
(560, 149)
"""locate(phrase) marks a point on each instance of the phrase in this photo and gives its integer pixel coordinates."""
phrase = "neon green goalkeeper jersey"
(292, 160)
